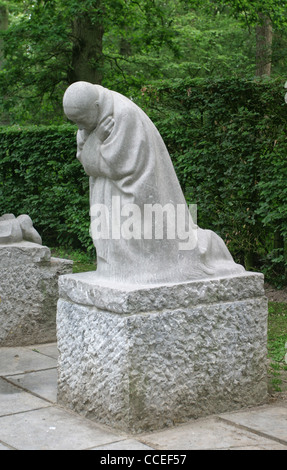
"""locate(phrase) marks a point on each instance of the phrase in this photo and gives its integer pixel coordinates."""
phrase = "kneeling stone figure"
(128, 163)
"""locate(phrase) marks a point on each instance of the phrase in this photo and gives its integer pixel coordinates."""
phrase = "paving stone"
(53, 429)
(208, 434)
(50, 349)
(43, 383)
(15, 400)
(127, 444)
(271, 420)
(3, 447)
(21, 360)
(28, 422)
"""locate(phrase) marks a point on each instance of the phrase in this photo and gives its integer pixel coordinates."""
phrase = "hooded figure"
(140, 223)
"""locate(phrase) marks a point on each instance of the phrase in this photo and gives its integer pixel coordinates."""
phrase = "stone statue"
(16, 230)
(140, 223)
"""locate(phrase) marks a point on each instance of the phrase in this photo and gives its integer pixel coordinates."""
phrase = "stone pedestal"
(29, 293)
(145, 358)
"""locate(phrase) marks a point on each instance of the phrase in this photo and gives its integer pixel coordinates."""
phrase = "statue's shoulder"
(124, 107)
(124, 102)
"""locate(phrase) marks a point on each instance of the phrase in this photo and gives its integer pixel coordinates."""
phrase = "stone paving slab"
(209, 434)
(127, 444)
(30, 418)
(14, 400)
(265, 420)
(42, 383)
(22, 360)
(2, 447)
(52, 429)
(49, 349)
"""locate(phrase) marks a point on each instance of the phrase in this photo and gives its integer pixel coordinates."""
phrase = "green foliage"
(142, 42)
(40, 42)
(40, 176)
(277, 343)
(250, 10)
(83, 261)
(277, 331)
(227, 139)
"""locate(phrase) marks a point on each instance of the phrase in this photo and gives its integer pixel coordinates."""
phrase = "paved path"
(30, 418)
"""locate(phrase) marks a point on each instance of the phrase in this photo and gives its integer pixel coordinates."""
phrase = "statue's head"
(81, 105)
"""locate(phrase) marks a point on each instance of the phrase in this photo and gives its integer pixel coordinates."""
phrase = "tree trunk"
(264, 36)
(3, 27)
(87, 54)
(4, 22)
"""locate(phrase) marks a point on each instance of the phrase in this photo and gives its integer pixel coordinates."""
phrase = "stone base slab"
(29, 293)
(143, 358)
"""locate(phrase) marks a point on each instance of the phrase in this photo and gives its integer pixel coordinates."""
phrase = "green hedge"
(228, 143)
(40, 176)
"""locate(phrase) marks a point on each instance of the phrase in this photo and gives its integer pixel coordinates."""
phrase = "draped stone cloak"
(132, 169)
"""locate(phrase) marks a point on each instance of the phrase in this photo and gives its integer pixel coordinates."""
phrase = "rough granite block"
(143, 358)
(29, 293)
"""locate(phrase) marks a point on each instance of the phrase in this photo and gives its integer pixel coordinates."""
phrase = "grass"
(277, 322)
(83, 262)
(277, 345)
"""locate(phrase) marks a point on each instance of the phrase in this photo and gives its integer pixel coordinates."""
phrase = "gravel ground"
(276, 295)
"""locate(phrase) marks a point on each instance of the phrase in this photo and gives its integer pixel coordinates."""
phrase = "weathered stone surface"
(29, 293)
(159, 356)
(82, 288)
(16, 230)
